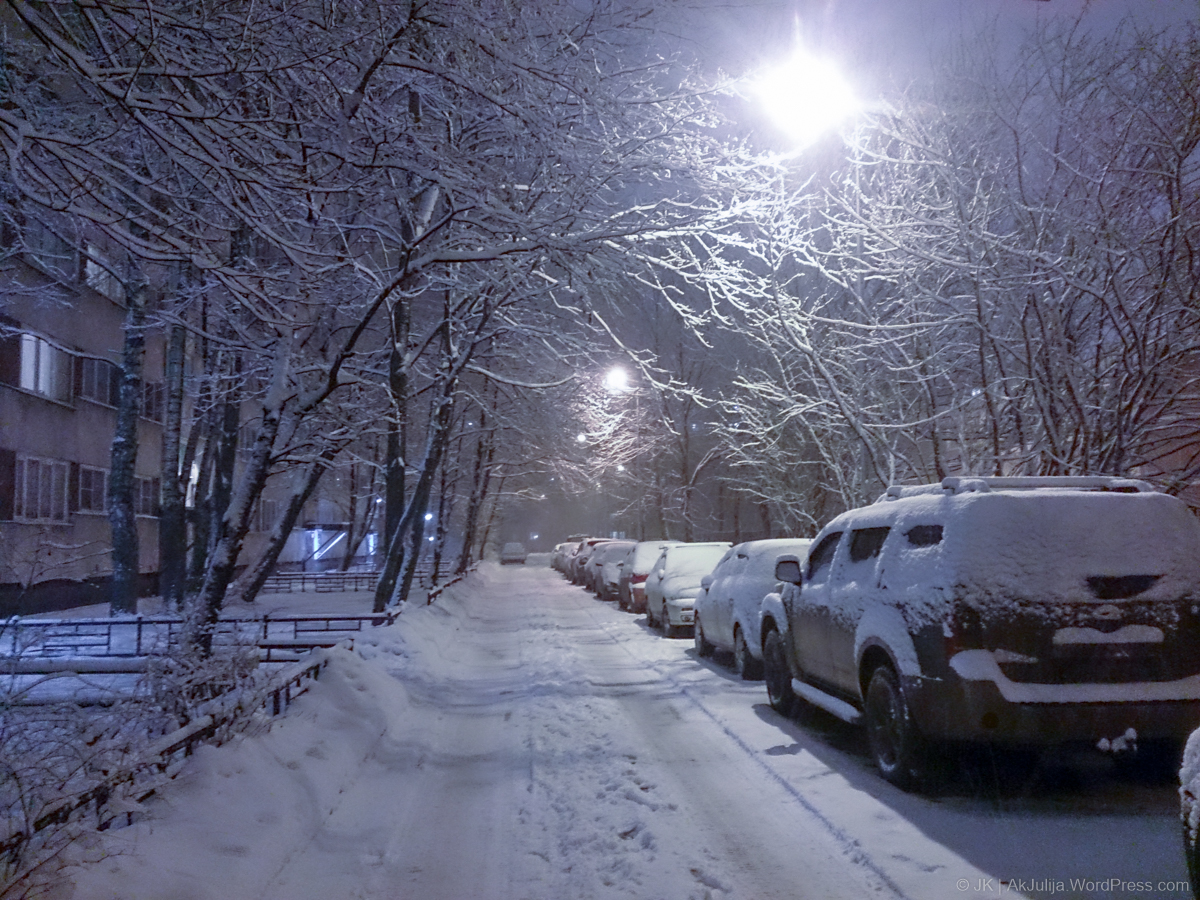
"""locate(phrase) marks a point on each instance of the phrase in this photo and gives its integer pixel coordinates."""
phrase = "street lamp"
(616, 381)
(805, 96)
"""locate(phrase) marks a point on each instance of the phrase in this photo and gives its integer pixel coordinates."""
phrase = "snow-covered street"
(520, 739)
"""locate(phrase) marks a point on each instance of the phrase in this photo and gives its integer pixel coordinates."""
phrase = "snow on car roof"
(1029, 545)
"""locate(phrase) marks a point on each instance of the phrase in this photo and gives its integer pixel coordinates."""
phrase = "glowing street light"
(616, 381)
(805, 96)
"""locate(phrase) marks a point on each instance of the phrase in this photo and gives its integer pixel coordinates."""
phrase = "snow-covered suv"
(1018, 610)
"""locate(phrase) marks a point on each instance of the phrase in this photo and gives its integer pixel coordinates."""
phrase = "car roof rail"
(966, 484)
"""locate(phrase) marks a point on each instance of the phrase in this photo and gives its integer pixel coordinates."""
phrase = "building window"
(40, 493)
(93, 490)
(154, 400)
(100, 380)
(145, 496)
(100, 279)
(45, 369)
(50, 252)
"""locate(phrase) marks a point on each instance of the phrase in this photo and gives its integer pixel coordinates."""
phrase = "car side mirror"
(788, 570)
(706, 582)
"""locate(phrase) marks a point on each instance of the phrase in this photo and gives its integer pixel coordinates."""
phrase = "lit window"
(45, 369)
(40, 490)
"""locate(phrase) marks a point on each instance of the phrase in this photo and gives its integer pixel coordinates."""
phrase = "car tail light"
(636, 579)
(963, 630)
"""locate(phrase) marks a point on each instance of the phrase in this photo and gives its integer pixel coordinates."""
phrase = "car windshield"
(698, 561)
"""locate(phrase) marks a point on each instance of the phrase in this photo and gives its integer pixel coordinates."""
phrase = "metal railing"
(284, 687)
(140, 636)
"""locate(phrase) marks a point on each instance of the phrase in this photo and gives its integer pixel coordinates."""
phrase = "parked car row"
(1009, 611)
(1018, 611)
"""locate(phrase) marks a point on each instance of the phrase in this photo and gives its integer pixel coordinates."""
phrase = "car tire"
(777, 674)
(668, 630)
(703, 647)
(650, 616)
(621, 604)
(897, 747)
(747, 666)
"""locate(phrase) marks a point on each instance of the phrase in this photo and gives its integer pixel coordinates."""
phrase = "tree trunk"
(246, 588)
(122, 482)
(172, 521)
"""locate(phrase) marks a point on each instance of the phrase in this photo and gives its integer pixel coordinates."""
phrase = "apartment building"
(61, 314)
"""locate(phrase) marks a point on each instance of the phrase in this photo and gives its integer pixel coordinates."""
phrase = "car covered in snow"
(1030, 611)
(576, 562)
(1189, 796)
(631, 589)
(674, 582)
(728, 612)
(606, 564)
(513, 554)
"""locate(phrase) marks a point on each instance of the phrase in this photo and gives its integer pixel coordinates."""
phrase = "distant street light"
(805, 97)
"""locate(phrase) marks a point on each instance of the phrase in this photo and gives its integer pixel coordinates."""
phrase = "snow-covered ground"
(519, 739)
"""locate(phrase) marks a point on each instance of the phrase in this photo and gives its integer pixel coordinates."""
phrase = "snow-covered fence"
(119, 791)
(436, 592)
(142, 636)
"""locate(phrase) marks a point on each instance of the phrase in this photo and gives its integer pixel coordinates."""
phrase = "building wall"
(59, 341)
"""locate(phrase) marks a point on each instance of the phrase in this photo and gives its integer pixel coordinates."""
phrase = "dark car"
(1031, 611)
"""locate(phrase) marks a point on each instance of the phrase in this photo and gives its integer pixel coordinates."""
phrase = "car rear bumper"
(961, 709)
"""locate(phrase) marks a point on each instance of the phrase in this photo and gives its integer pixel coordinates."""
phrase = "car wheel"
(703, 647)
(747, 666)
(669, 630)
(650, 616)
(896, 745)
(777, 674)
(621, 604)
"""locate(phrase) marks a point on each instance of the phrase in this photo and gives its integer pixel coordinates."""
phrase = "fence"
(140, 636)
(281, 690)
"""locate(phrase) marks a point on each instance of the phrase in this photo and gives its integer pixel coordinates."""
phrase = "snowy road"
(523, 740)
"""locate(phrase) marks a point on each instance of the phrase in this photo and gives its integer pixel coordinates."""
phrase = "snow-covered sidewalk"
(518, 739)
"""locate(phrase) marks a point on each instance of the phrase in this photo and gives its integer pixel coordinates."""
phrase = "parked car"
(513, 553)
(996, 610)
(674, 582)
(559, 555)
(606, 564)
(631, 588)
(575, 565)
(728, 613)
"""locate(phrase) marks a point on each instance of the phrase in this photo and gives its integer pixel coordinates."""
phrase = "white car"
(674, 582)
(728, 614)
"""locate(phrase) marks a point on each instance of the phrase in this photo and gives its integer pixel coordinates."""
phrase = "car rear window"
(924, 535)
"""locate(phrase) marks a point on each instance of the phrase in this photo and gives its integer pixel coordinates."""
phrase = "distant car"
(996, 611)
(728, 614)
(631, 589)
(674, 582)
(606, 564)
(513, 554)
